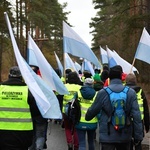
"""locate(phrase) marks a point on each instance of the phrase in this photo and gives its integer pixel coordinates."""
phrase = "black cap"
(115, 72)
(15, 72)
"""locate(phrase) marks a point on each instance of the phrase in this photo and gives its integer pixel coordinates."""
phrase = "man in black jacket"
(17, 107)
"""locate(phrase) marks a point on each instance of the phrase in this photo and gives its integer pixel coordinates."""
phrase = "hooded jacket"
(102, 104)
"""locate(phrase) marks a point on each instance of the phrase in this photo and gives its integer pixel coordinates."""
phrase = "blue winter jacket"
(102, 104)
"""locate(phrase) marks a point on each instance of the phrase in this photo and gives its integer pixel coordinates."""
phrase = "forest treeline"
(117, 24)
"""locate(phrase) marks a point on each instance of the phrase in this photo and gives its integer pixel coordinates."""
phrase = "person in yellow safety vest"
(17, 106)
(86, 97)
(131, 81)
(73, 86)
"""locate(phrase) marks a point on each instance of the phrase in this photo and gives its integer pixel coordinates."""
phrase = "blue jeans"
(82, 139)
(40, 133)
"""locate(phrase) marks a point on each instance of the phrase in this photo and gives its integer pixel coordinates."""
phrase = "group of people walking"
(96, 109)
(22, 126)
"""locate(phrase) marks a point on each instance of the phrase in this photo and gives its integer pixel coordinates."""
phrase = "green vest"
(14, 108)
(72, 88)
(140, 103)
(85, 104)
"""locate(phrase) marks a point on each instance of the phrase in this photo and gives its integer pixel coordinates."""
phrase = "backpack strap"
(108, 90)
(125, 90)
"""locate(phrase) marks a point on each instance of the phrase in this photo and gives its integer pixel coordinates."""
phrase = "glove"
(137, 142)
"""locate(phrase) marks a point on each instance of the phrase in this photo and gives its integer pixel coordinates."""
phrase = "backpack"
(118, 101)
(73, 110)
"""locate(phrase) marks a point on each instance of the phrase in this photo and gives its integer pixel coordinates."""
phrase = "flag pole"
(101, 59)
(107, 56)
(64, 74)
(132, 65)
(64, 68)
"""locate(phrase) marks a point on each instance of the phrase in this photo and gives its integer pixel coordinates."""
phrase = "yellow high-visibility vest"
(72, 88)
(85, 104)
(14, 109)
(140, 103)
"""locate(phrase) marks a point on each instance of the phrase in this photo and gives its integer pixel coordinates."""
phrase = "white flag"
(143, 49)
(48, 74)
(74, 45)
(44, 96)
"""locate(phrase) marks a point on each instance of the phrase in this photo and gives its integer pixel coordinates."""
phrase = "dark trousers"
(40, 133)
(8, 148)
(82, 139)
(115, 146)
(15, 140)
(136, 147)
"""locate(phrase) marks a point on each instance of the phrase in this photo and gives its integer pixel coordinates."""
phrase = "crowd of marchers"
(110, 99)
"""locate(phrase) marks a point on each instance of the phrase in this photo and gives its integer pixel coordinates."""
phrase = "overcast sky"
(80, 17)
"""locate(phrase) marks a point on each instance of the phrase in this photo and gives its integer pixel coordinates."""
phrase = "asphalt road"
(56, 139)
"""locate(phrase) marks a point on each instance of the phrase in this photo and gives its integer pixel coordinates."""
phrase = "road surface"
(56, 139)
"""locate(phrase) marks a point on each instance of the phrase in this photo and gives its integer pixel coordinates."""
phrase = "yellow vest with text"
(72, 88)
(85, 104)
(14, 109)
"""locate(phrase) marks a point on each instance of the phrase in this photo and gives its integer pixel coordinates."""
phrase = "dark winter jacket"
(145, 104)
(102, 103)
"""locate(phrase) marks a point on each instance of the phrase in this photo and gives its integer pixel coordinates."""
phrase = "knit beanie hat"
(97, 77)
(89, 82)
(131, 78)
(115, 72)
(15, 72)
